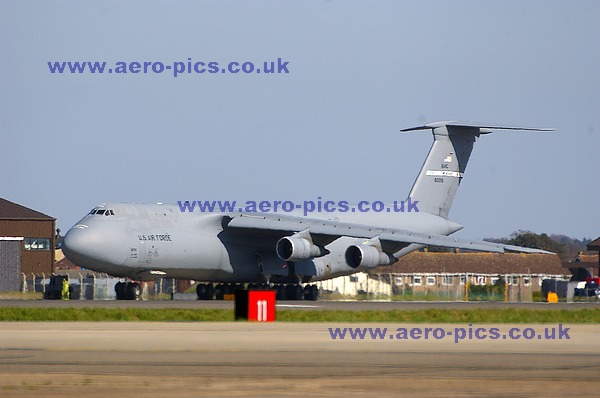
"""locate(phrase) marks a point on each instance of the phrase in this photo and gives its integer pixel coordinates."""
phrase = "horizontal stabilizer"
(519, 249)
(484, 126)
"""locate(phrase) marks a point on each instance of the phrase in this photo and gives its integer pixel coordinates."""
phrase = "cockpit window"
(102, 212)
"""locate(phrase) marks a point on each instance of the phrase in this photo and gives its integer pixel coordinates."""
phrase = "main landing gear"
(128, 290)
(208, 291)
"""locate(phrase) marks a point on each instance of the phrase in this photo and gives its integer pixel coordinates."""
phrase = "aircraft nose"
(76, 244)
(87, 247)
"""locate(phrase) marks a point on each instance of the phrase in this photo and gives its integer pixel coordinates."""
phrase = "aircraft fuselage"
(143, 241)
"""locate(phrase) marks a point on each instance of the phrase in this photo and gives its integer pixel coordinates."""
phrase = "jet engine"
(292, 248)
(367, 256)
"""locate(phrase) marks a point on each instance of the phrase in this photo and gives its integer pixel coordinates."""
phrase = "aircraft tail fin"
(445, 165)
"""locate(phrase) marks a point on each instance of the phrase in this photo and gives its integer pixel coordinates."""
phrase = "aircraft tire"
(120, 288)
(298, 292)
(210, 291)
(204, 291)
(134, 290)
(314, 292)
(306, 293)
(201, 291)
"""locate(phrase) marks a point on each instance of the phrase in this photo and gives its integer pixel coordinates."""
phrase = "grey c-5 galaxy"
(144, 241)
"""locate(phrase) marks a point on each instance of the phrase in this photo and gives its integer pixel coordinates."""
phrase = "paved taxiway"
(300, 305)
(239, 359)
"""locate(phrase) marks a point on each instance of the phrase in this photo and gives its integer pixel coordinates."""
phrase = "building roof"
(12, 211)
(476, 263)
(586, 258)
(594, 245)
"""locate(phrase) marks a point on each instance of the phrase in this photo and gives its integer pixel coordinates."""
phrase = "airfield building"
(26, 244)
(447, 276)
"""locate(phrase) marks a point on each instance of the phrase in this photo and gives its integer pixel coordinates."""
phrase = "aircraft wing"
(324, 232)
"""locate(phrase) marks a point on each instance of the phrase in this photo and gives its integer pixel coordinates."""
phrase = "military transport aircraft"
(144, 241)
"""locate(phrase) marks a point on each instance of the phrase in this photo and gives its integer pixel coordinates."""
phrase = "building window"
(37, 244)
(416, 280)
(526, 281)
(463, 279)
(430, 281)
(479, 280)
(447, 280)
(494, 279)
(515, 280)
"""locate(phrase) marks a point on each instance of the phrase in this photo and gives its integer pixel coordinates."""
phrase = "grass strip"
(509, 315)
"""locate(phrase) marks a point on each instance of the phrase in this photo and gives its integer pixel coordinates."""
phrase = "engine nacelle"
(367, 256)
(291, 248)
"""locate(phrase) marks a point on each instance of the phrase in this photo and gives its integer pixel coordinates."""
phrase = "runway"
(287, 359)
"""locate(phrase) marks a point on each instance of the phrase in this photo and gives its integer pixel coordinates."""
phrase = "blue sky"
(358, 72)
